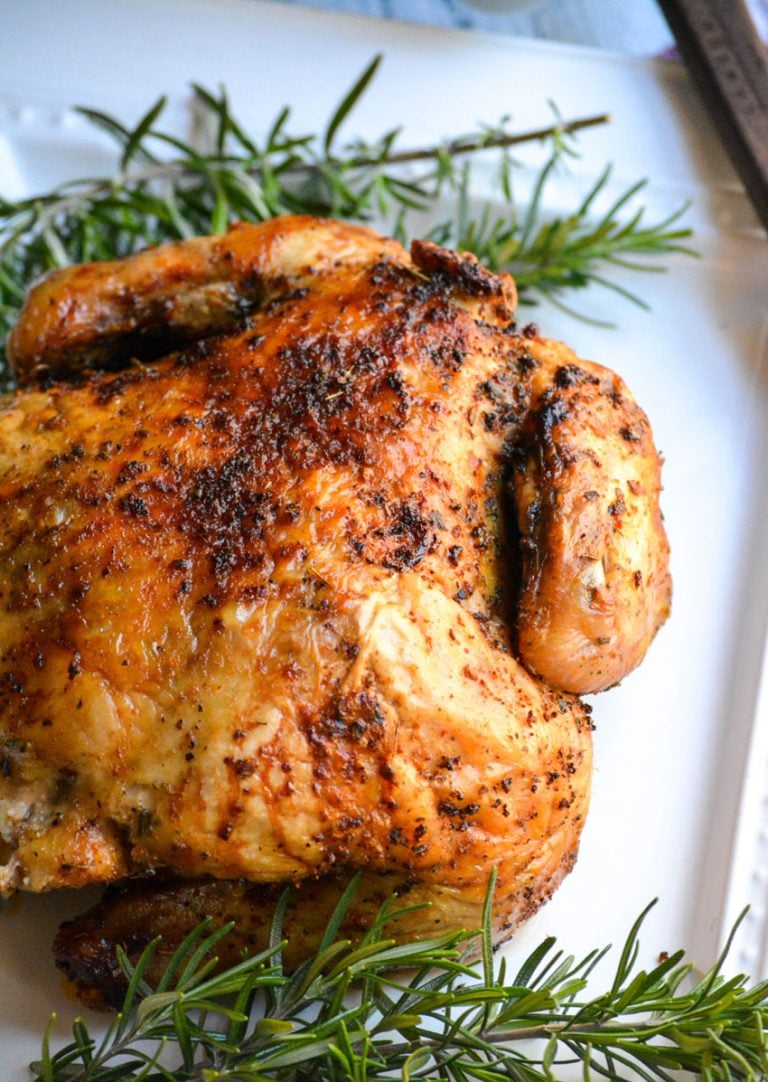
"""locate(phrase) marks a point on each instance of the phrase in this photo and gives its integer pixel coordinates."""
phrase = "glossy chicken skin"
(259, 602)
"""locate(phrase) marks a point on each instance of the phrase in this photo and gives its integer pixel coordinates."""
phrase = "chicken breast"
(316, 591)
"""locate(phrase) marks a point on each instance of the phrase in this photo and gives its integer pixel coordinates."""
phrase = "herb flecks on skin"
(168, 189)
(347, 1014)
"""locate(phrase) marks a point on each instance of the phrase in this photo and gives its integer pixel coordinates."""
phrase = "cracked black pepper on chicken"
(307, 551)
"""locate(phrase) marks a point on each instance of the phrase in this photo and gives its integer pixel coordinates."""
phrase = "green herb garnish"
(347, 1014)
(166, 189)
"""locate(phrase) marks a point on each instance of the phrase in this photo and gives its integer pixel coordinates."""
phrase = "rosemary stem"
(595, 1031)
(224, 175)
(176, 170)
(497, 142)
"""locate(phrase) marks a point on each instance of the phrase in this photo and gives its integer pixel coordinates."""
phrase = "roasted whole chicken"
(306, 553)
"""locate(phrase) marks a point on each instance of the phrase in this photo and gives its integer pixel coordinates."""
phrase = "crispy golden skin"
(259, 616)
(586, 480)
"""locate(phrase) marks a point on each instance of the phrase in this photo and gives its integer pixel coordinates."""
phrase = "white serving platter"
(681, 781)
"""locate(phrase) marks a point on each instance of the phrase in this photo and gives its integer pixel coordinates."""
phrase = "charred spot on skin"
(349, 822)
(631, 435)
(63, 785)
(129, 470)
(13, 683)
(570, 375)
(460, 269)
(446, 355)
(412, 528)
(481, 537)
(456, 811)
(552, 414)
(453, 554)
(134, 506)
(107, 449)
(241, 768)
(355, 719)
(526, 362)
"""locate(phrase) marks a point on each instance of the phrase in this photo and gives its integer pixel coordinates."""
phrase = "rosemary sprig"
(345, 1014)
(167, 188)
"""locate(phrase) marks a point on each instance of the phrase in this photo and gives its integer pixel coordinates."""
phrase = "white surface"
(673, 740)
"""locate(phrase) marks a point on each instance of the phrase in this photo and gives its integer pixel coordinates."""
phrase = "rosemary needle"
(346, 1014)
(167, 188)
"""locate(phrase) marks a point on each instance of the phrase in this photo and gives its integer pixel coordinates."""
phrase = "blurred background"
(632, 27)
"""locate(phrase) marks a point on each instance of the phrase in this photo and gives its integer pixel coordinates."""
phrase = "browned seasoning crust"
(258, 617)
